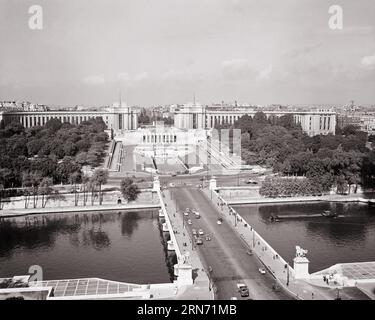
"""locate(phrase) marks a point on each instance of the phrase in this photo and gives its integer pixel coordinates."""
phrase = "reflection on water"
(348, 238)
(123, 246)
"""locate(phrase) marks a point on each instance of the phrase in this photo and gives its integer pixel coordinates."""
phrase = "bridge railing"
(170, 226)
(278, 267)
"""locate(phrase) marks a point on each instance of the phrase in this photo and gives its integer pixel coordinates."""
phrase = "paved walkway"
(201, 287)
(88, 208)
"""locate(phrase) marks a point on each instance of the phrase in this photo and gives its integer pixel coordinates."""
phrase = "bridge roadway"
(226, 253)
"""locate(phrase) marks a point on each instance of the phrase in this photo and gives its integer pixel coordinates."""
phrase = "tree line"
(56, 150)
(326, 161)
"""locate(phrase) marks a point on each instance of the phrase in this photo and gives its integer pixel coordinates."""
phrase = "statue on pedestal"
(300, 253)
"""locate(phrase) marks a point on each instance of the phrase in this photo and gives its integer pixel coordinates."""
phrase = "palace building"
(196, 116)
(118, 117)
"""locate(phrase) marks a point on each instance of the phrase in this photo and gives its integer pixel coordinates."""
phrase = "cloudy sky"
(161, 51)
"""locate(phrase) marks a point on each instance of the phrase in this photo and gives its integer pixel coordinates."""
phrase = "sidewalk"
(200, 289)
(80, 208)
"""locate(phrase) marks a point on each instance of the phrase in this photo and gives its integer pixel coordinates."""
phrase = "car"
(208, 238)
(243, 289)
(172, 184)
(262, 270)
(200, 231)
(276, 287)
(199, 241)
(186, 213)
(233, 298)
(220, 221)
(189, 221)
(244, 292)
(251, 181)
(194, 232)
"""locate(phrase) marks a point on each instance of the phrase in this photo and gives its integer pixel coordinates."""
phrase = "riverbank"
(88, 208)
(326, 198)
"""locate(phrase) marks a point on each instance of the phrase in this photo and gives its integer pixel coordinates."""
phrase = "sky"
(163, 51)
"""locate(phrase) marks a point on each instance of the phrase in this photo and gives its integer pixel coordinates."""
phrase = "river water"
(122, 246)
(348, 238)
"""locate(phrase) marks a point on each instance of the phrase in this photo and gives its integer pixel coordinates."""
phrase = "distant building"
(365, 120)
(197, 116)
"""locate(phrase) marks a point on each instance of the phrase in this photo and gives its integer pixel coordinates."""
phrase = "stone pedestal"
(184, 273)
(301, 268)
(156, 184)
(170, 245)
(165, 227)
(161, 213)
(213, 184)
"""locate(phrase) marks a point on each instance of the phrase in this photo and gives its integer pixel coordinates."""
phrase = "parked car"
(276, 287)
(194, 232)
(199, 241)
(250, 181)
(189, 221)
(200, 231)
(220, 221)
(262, 270)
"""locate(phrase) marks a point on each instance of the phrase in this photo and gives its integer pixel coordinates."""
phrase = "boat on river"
(326, 213)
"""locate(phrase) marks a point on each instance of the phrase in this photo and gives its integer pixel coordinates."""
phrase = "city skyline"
(160, 53)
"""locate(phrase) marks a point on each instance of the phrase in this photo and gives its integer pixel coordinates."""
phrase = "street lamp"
(287, 274)
(338, 294)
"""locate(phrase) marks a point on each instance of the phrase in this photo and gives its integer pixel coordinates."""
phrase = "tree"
(91, 186)
(55, 195)
(5, 175)
(45, 189)
(129, 190)
(74, 178)
(99, 178)
(143, 117)
(350, 129)
(1, 196)
(85, 185)
(53, 125)
(65, 168)
(31, 182)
